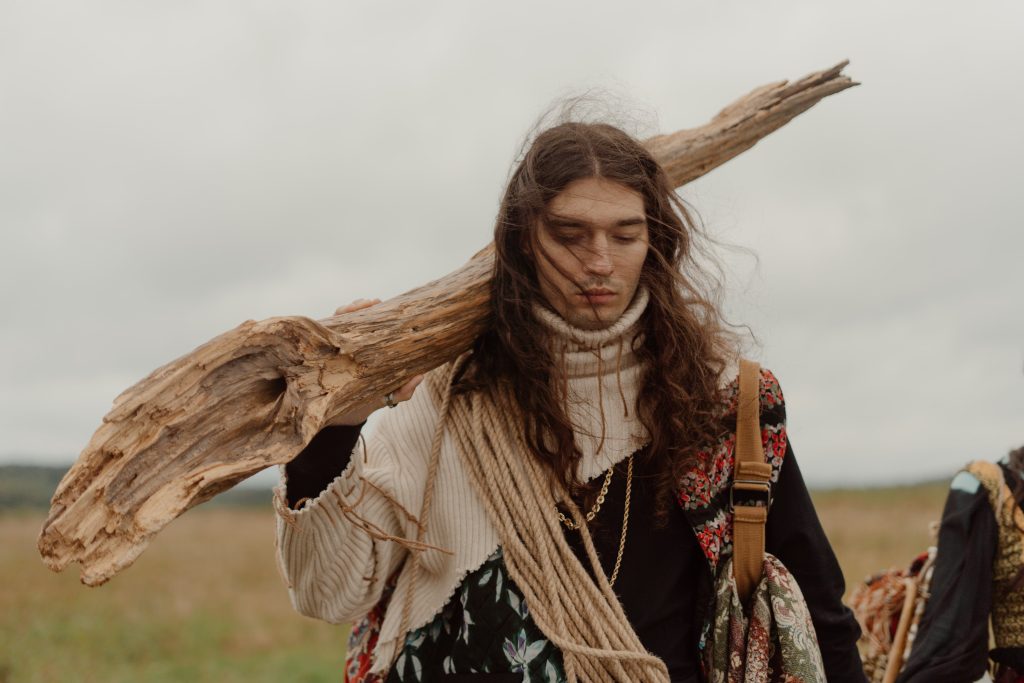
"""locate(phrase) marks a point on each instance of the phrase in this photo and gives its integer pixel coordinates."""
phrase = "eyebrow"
(564, 222)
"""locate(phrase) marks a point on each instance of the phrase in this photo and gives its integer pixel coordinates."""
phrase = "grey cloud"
(170, 171)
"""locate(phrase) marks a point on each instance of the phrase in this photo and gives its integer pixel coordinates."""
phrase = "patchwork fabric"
(704, 493)
(775, 643)
(1007, 604)
(486, 627)
(362, 639)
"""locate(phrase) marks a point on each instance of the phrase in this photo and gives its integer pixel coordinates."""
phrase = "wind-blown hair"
(686, 345)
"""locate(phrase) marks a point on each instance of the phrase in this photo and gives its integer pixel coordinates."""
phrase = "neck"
(600, 374)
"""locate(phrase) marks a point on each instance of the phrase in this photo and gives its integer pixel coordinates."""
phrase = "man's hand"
(359, 414)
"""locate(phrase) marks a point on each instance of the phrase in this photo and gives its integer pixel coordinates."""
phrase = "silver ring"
(389, 400)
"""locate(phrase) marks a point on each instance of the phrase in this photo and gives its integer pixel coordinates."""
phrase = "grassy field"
(875, 529)
(205, 603)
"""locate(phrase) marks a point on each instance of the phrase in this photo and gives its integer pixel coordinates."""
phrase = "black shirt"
(656, 578)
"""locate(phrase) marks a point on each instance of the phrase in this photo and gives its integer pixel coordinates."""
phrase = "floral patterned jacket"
(486, 627)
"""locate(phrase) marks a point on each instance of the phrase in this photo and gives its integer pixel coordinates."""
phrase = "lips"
(598, 296)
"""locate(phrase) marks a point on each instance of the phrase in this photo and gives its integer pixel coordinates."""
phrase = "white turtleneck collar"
(579, 339)
(603, 374)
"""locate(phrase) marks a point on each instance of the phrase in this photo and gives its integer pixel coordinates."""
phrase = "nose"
(597, 260)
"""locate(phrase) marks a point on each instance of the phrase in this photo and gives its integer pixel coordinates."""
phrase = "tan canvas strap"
(751, 483)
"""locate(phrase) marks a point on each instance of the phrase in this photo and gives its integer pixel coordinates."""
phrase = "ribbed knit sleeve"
(335, 568)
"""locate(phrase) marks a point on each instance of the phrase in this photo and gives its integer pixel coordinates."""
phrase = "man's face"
(591, 251)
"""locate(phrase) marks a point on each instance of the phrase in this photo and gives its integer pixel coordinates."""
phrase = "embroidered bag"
(762, 630)
(888, 606)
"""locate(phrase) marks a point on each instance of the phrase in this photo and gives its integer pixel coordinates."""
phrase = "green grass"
(875, 529)
(60, 645)
(205, 602)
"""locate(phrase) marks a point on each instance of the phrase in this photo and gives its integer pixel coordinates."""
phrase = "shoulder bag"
(762, 630)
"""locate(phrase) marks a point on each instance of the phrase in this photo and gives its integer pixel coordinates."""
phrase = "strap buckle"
(750, 493)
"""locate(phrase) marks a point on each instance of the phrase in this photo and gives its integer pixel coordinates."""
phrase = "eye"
(567, 239)
(626, 239)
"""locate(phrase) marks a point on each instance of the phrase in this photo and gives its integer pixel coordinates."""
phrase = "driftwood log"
(254, 396)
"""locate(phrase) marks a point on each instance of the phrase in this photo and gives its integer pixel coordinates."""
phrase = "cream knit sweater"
(336, 572)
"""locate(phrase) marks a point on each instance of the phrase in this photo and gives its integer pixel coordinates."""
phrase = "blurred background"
(170, 170)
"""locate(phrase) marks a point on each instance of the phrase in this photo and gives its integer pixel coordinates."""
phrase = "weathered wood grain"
(254, 396)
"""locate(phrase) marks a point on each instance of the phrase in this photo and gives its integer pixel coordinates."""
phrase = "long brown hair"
(686, 344)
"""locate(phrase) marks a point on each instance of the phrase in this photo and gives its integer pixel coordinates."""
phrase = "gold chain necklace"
(597, 506)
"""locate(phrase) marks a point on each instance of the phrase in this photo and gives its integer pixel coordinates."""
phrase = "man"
(553, 505)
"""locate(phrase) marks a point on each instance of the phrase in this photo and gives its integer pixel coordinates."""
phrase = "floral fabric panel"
(775, 644)
(704, 492)
(484, 628)
(362, 639)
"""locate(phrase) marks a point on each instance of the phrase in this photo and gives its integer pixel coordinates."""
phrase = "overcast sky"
(168, 170)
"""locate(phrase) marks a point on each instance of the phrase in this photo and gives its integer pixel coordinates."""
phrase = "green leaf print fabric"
(484, 628)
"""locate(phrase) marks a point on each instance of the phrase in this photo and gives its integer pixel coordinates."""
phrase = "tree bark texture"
(255, 395)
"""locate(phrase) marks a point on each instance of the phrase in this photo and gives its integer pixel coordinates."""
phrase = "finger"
(407, 390)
